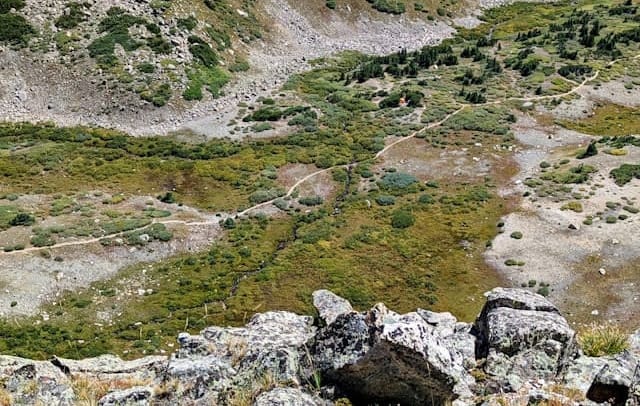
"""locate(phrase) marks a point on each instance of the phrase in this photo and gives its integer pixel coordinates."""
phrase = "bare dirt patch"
(556, 247)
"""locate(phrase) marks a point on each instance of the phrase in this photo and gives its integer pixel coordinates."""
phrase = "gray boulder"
(137, 396)
(34, 382)
(523, 337)
(330, 305)
(110, 367)
(287, 397)
(616, 380)
(220, 359)
(381, 356)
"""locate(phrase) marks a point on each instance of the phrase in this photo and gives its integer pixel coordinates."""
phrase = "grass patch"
(608, 120)
(600, 340)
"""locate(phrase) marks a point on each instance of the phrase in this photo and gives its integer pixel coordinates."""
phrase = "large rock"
(219, 359)
(287, 397)
(34, 382)
(110, 367)
(136, 396)
(523, 337)
(616, 380)
(330, 305)
(381, 356)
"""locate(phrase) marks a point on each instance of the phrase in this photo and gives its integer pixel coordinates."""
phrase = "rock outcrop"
(520, 350)
(523, 337)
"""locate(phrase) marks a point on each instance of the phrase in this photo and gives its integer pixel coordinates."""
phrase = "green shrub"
(517, 235)
(386, 200)
(188, 23)
(73, 16)
(158, 95)
(261, 196)
(600, 340)
(229, 223)
(513, 262)
(14, 29)
(543, 290)
(611, 219)
(42, 239)
(397, 180)
(623, 174)
(426, 199)
(331, 4)
(388, 6)
(265, 114)
(311, 201)
(631, 209)
(402, 219)
(573, 206)
(146, 67)
(7, 5)
(22, 219)
(202, 52)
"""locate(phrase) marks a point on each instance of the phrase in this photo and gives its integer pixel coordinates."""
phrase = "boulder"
(287, 397)
(616, 380)
(111, 367)
(330, 305)
(136, 396)
(383, 357)
(523, 337)
(220, 359)
(34, 382)
(581, 372)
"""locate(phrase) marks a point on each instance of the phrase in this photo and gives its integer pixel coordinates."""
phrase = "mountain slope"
(159, 66)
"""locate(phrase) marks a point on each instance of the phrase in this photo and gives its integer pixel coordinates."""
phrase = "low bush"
(573, 206)
(14, 29)
(22, 219)
(397, 180)
(311, 201)
(402, 219)
(386, 200)
(7, 5)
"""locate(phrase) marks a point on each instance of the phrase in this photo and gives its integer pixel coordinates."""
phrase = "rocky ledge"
(519, 351)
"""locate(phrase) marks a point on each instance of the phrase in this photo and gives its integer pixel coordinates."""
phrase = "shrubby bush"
(397, 181)
(14, 29)
(402, 219)
(386, 200)
(311, 201)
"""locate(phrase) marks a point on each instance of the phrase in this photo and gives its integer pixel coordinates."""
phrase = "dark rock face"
(381, 356)
(523, 337)
(520, 348)
(617, 378)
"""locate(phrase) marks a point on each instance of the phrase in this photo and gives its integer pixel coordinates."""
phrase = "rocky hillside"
(519, 351)
(152, 67)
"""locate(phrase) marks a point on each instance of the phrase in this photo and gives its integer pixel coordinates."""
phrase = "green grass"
(608, 120)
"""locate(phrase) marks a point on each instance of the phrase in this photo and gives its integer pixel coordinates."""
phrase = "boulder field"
(519, 351)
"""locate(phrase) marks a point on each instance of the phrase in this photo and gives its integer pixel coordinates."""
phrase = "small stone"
(602, 271)
(595, 312)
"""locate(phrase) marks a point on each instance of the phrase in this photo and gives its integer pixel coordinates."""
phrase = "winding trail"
(318, 172)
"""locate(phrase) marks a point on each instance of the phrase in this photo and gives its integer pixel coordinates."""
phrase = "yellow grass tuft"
(606, 339)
